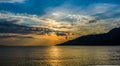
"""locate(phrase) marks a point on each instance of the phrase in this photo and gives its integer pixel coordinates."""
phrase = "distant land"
(107, 39)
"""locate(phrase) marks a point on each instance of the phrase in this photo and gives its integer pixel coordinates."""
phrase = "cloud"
(9, 20)
(96, 18)
(16, 36)
(99, 8)
(12, 1)
(94, 13)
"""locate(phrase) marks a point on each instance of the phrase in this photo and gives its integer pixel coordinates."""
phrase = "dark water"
(60, 56)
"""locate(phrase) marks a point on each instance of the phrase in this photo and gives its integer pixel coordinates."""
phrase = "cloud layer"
(96, 18)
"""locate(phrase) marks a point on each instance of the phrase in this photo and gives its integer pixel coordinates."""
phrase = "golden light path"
(55, 54)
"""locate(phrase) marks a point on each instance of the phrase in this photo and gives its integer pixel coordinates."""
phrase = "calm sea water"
(60, 56)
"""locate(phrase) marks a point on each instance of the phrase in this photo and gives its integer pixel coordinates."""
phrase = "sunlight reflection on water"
(60, 56)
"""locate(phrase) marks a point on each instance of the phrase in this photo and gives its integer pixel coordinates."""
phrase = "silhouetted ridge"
(114, 31)
(110, 38)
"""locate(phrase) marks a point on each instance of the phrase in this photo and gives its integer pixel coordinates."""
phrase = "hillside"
(106, 39)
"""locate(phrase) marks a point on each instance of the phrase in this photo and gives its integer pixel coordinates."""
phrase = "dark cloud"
(15, 36)
(9, 20)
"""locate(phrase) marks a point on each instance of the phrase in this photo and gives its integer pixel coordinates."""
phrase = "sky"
(82, 17)
(38, 6)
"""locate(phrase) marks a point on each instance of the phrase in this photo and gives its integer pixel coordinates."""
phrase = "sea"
(60, 56)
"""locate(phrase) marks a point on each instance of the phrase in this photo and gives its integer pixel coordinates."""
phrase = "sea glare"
(60, 56)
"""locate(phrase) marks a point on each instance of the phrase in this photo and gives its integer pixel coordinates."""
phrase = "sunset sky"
(81, 17)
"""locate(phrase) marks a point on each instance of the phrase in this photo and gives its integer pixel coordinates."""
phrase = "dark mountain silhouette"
(106, 39)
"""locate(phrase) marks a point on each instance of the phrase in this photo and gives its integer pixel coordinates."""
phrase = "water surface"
(60, 56)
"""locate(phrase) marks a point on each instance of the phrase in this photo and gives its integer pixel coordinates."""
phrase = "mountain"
(7, 27)
(107, 39)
